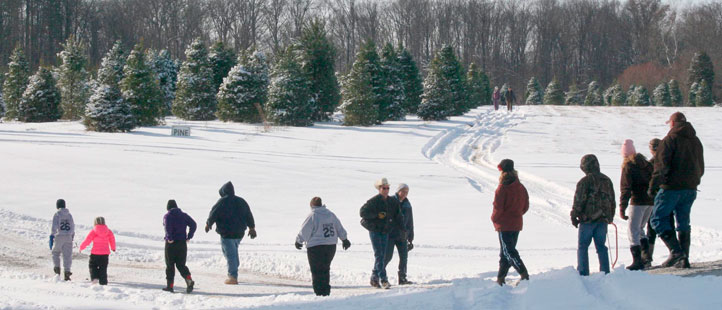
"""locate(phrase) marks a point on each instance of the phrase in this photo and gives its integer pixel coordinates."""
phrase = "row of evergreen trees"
(700, 81)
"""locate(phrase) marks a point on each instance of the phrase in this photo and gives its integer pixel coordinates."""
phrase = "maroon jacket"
(511, 201)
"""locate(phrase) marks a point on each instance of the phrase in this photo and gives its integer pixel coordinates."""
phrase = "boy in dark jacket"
(593, 210)
(378, 215)
(176, 248)
(678, 170)
(511, 201)
(232, 215)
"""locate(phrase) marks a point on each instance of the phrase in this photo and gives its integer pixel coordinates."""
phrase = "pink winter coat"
(102, 238)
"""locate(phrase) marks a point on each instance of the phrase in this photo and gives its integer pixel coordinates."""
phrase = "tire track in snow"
(469, 149)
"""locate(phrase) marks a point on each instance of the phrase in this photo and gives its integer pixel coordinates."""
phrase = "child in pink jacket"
(103, 241)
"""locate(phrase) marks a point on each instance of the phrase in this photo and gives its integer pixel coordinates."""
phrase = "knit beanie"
(171, 205)
(401, 187)
(506, 165)
(60, 204)
(628, 148)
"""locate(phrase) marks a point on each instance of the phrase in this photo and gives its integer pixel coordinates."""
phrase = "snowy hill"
(450, 167)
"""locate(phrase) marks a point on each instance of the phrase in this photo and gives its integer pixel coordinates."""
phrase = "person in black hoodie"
(232, 216)
(403, 244)
(379, 215)
(678, 170)
(636, 173)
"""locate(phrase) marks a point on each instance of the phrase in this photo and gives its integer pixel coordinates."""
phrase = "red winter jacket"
(511, 201)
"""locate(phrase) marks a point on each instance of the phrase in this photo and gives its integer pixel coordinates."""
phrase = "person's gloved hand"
(298, 245)
(208, 228)
(622, 212)
(345, 244)
(52, 239)
(382, 215)
(252, 233)
(575, 221)
(410, 246)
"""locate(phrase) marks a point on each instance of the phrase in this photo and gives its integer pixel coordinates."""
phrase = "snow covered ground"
(450, 167)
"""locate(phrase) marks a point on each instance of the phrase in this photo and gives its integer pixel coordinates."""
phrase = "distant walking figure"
(496, 97)
(510, 98)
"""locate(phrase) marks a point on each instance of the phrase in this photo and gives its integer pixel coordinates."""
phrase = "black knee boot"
(684, 239)
(675, 250)
(646, 254)
(636, 258)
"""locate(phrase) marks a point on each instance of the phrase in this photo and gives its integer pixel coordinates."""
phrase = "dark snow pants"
(98, 265)
(509, 256)
(175, 257)
(319, 258)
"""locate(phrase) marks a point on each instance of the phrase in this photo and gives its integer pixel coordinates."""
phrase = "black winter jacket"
(635, 182)
(408, 214)
(679, 161)
(370, 212)
(231, 214)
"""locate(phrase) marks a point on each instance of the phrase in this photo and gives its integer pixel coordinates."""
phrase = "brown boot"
(231, 281)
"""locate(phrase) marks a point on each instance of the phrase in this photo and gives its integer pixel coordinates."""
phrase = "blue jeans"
(587, 232)
(403, 247)
(230, 252)
(379, 241)
(667, 202)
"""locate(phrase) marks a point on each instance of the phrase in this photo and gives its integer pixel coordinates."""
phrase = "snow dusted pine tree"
(661, 97)
(700, 69)
(244, 91)
(640, 97)
(675, 93)
(594, 95)
(445, 91)
(573, 96)
(16, 80)
(476, 87)
(140, 89)
(619, 97)
(318, 62)
(704, 95)
(394, 90)
(222, 59)
(195, 97)
(693, 90)
(630, 95)
(359, 105)
(106, 110)
(73, 79)
(534, 94)
(289, 98)
(166, 70)
(486, 96)
(41, 99)
(411, 78)
(553, 95)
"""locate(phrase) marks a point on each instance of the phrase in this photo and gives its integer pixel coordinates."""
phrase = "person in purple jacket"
(176, 248)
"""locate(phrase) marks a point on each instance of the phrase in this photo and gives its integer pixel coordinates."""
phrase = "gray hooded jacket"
(63, 224)
(321, 227)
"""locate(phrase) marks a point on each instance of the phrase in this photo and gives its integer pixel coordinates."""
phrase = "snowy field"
(450, 167)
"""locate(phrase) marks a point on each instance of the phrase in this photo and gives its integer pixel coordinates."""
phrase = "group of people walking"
(508, 97)
(654, 194)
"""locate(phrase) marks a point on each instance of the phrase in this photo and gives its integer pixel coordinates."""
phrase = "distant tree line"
(570, 41)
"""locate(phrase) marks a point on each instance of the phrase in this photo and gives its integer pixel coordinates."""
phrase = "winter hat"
(381, 182)
(316, 202)
(99, 221)
(506, 165)
(676, 117)
(401, 187)
(171, 205)
(628, 148)
(60, 204)
(653, 144)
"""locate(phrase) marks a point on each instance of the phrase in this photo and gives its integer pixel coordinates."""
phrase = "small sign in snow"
(184, 131)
